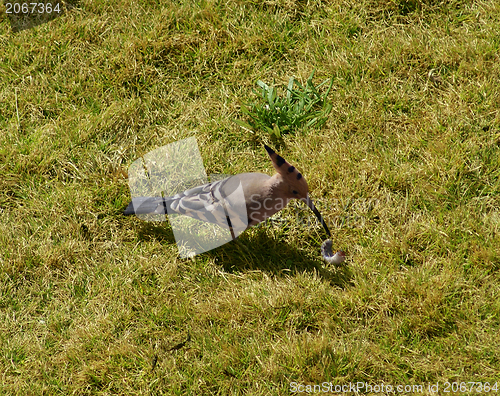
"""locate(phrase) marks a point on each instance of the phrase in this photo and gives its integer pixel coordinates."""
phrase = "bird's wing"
(229, 202)
(206, 203)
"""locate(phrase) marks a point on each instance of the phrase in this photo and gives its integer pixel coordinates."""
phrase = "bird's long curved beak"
(310, 203)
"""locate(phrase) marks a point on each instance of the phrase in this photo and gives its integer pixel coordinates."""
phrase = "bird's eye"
(295, 192)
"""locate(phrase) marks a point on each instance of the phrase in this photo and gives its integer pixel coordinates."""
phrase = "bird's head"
(293, 185)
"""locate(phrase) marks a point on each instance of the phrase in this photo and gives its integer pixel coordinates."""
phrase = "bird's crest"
(289, 173)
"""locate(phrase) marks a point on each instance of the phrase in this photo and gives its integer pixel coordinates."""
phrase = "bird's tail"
(147, 205)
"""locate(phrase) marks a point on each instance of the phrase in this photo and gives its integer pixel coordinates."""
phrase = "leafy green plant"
(302, 105)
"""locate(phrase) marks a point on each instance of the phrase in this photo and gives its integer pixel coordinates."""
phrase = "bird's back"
(212, 202)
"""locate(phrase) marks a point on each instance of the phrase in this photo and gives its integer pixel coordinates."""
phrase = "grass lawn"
(405, 171)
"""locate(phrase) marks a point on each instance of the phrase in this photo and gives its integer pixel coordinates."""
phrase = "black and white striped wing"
(221, 202)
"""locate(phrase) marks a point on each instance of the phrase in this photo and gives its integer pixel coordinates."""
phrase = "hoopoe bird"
(240, 201)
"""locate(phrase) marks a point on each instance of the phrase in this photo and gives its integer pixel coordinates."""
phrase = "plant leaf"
(244, 125)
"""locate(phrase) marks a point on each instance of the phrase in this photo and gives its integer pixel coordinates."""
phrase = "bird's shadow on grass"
(148, 231)
(276, 256)
(259, 251)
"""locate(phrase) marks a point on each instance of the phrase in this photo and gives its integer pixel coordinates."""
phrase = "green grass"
(279, 114)
(405, 171)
